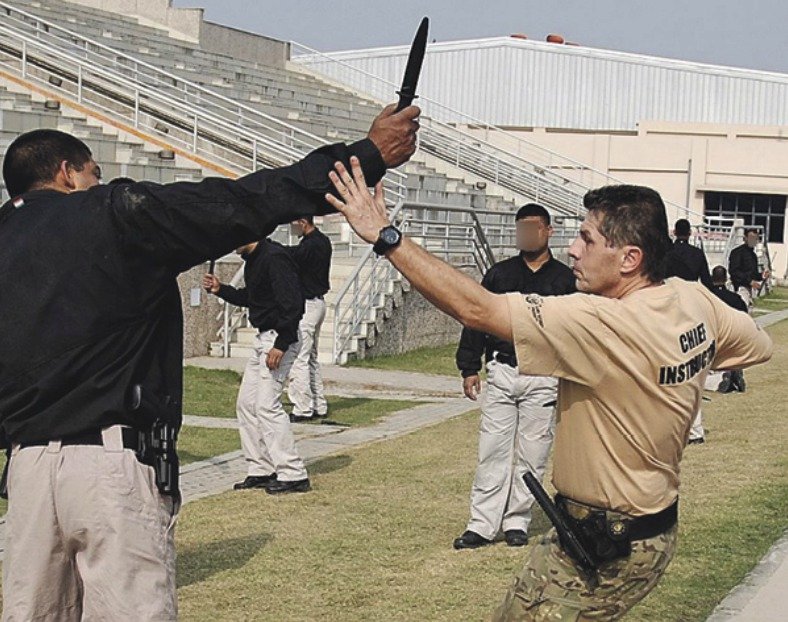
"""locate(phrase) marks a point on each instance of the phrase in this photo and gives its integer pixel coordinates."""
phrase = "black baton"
(567, 537)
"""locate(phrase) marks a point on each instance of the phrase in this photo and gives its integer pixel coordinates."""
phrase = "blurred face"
(297, 228)
(596, 264)
(533, 234)
(751, 239)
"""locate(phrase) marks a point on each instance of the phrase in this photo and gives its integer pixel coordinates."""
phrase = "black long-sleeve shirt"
(687, 262)
(553, 278)
(272, 292)
(732, 299)
(313, 256)
(743, 266)
(89, 302)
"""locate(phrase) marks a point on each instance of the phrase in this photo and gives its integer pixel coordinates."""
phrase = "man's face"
(596, 264)
(751, 239)
(533, 234)
(88, 177)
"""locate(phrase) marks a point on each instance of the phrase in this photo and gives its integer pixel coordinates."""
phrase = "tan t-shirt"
(631, 374)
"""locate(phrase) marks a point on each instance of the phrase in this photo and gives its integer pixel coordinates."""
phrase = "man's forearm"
(451, 291)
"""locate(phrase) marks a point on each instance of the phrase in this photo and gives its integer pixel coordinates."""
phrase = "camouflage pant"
(550, 587)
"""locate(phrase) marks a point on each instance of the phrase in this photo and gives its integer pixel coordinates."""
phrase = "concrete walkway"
(362, 381)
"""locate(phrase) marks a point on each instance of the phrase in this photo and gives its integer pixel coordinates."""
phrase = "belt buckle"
(577, 511)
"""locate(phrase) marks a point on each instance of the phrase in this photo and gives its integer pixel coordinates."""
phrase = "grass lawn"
(202, 443)
(775, 300)
(439, 360)
(373, 540)
(212, 393)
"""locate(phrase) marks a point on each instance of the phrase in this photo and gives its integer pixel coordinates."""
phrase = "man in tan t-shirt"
(631, 362)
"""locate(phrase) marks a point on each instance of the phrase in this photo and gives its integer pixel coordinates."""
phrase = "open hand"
(366, 213)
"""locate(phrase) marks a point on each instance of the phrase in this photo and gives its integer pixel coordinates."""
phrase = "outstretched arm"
(450, 290)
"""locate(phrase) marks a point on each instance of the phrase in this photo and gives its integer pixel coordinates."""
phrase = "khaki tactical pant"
(515, 435)
(88, 536)
(306, 383)
(266, 436)
(550, 588)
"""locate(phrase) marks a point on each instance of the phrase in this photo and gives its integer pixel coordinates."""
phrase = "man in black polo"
(517, 422)
(91, 356)
(743, 267)
(731, 380)
(685, 260)
(313, 256)
(275, 300)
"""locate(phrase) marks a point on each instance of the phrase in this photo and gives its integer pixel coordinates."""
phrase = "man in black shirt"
(313, 256)
(685, 260)
(743, 267)
(688, 262)
(732, 380)
(517, 414)
(276, 303)
(91, 356)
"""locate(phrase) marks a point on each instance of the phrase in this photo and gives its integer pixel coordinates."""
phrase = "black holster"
(157, 446)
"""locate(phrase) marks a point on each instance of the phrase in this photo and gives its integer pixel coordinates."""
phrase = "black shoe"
(515, 537)
(300, 419)
(696, 441)
(280, 487)
(255, 481)
(737, 379)
(470, 540)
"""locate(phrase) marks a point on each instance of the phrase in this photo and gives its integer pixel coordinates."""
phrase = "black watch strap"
(389, 238)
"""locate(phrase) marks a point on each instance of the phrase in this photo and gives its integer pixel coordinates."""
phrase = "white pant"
(88, 536)
(746, 296)
(306, 382)
(697, 431)
(515, 436)
(266, 437)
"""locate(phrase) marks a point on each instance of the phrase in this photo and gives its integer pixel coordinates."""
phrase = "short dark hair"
(633, 215)
(682, 228)
(34, 158)
(533, 209)
(120, 180)
(750, 230)
(719, 274)
(308, 217)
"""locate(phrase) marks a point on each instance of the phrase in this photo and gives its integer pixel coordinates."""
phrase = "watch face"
(390, 235)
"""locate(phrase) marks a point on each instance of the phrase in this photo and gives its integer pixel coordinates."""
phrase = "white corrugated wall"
(513, 82)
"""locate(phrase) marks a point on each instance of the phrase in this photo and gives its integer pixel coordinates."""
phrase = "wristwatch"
(389, 238)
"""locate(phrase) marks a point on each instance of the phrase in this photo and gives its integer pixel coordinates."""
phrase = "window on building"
(764, 210)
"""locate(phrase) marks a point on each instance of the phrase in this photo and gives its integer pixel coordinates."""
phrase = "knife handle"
(212, 267)
(405, 100)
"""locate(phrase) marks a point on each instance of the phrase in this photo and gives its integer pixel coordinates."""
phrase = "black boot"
(470, 540)
(255, 481)
(280, 487)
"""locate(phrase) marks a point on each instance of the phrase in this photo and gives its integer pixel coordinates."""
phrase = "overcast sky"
(743, 33)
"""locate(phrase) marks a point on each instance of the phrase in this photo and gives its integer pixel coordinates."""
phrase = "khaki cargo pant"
(88, 536)
(515, 435)
(306, 382)
(550, 588)
(267, 438)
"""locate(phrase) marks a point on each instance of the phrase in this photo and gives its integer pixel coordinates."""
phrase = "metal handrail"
(548, 159)
(363, 287)
(231, 124)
